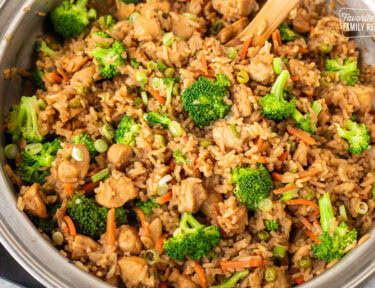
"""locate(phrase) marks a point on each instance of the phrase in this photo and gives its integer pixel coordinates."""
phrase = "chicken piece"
(261, 66)
(195, 6)
(128, 240)
(181, 281)
(225, 138)
(82, 246)
(133, 270)
(235, 9)
(241, 95)
(115, 191)
(124, 10)
(146, 29)
(190, 196)
(73, 63)
(84, 77)
(300, 155)
(156, 229)
(308, 74)
(33, 202)
(210, 206)
(232, 216)
(301, 23)
(256, 277)
(181, 26)
(232, 30)
(119, 155)
(151, 8)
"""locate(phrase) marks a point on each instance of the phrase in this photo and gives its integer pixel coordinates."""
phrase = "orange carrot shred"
(277, 176)
(261, 159)
(111, 227)
(312, 236)
(311, 172)
(61, 72)
(284, 156)
(278, 37)
(94, 171)
(259, 144)
(68, 189)
(157, 96)
(309, 92)
(72, 228)
(304, 136)
(284, 189)
(160, 242)
(305, 222)
(201, 275)
(90, 186)
(240, 264)
(165, 198)
(294, 78)
(54, 77)
(145, 225)
(204, 64)
(313, 215)
(301, 201)
(172, 164)
(245, 47)
(303, 50)
(300, 280)
(162, 285)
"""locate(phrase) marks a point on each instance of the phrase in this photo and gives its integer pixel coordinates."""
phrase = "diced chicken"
(33, 202)
(256, 277)
(156, 229)
(146, 29)
(84, 77)
(181, 26)
(82, 246)
(119, 155)
(181, 281)
(133, 271)
(128, 240)
(115, 191)
(232, 30)
(232, 216)
(301, 23)
(225, 138)
(308, 74)
(124, 10)
(150, 8)
(195, 6)
(210, 206)
(73, 63)
(241, 95)
(235, 9)
(300, 155)
(261, 66)
(191, 195)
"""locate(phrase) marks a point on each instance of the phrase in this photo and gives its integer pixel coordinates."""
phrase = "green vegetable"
(161, 66)
(326, 48)
(49, 223)
(270, 274)
(304, 122)
(273, 105)
(277, 65)
(287, 34)
(373, 191)
(152, 256)
(206, 143)
(304, 262)
(204, 100)
(86, 140)
(159, 139)
(42, 104)
(108, 131)
(233, 280)
(357, 135)
(23, 120)
(343, 214)
(252, 185)
(103, 34)
(168, 39)
(279, 251)
(265, 205)
(169, 82)
(107, 22)
(89, 218)
(110, 59)
(242, 77)
(164, 119)
(289, 195)
(11, 151)
(100, 175)
(308, 194)
(34, 148)
(347, 70)
(133, 16)
(216, 27)
(271, 225)
(263, 235)
(101, 146)
(131, 1)
(71, 17)
(134, 63)
(144, 97)
(332, 243)
(232, 53)
(191, 239)
(235, 131)
(180, 157)
(148, 205)
(127, 131)
(41, 46)
(141, 78)
(362, 208)
(169, 72)
(37, 79)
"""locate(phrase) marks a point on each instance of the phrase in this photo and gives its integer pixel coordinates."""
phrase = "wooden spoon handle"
(265, 22)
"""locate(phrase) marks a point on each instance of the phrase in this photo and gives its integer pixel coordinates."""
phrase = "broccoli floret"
(204, 100)
(233, 280)
(252, 184)
(357, 135)
(216, 27)
(271, 225)
(332, 245)
(169, 82)
(71, 17)
(191, 239)
(86, 140)
(41, 46)
(30, 173)
(37, 79)
(274, 106)
(304, 121)
(287, 34)
(180, 157)
(107, 22)
(147, 206)
(103, 34)
(109, 59)
(127, 131)
(131, 1)
(347, 70)
(23, 120)
(49, 223)
(164, 120)
(89, 218)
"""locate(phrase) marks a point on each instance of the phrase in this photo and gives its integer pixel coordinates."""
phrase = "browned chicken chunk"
(82, 246)
(235, 9)
(128, 240)
(191, 195)
(210, 206)
(119, 155)
(146, 29)
(225, 138)
(133, 270)
(181, 26)
(33, 202)
(232, 216)
(181, 281)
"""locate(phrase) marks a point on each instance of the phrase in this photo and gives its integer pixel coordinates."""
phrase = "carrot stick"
(261, 159)
(310, 173)
(277, 176)
(309, 92)
(53, 77)
(284, 156)
(259, 144)
(144, 223)
(301, 201)
(313, 215)
(165, 198)
(303, 50)
(312, 236)
(68, 189)
(201, 275)
(245, 47)
(240, 264)
(300, 280)
(284, 189)
(304, 136)
(157, 96)
(89, 186)
(278, 37)
(61, 72)
(72, 228)
(111, 227)
(305, 222)
(294, 78)
(204, 64)
(160, 242)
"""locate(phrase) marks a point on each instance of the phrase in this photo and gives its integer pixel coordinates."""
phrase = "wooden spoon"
(265, 22)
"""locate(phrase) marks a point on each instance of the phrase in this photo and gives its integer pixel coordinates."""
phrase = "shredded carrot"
(162, 285)
(245, 47)
(303, 50)
(311, 172)
(53, 77)
(94, 171)
(72, 228)
(294, 78)
(363, 196)
(301, 201)
(284, 189)
(204, 64)
(277, 176)
(259, 144)
(304, 136)
(165, 198)
(261, 159)
(305, 222)
(312, 236)
(300, 280)
(313, 215)
(278, 37)
(240, 264)
(200, 273)
(160, 242)
(172, 164)
(68, 189)
(111, 227)
(61, 72)
(90, 186)
(142, 218)
(157, 96)
(284, 156)
(309, 92)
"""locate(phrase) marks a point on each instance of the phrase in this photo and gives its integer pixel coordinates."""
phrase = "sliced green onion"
(175, 90)
(326, 48)
(42, 104)
(133, 16)
(100, 175)
(152, 256)
(141, 78)
(151, 65)
(33, 149)
(156, 83)
(11, 151)
(137, 101)
(279, 251)
(58, 238)
(144, 97)
(161, 66)
(190, 16)
(265, 205)
(108, 131)
(289, 195)
(168, 39)
(205, 143)
(270, 274)
(101, 145)
(242, 77)
(308, 194)
(77, 154)
(81, 90)
(165, 179)
(373, 191)
(134, 63)
(162, 189)
(175, 129)
(362, 208)
(304, 262)
(232, 53)
(277, 65)
(169, 72)
(343, 213)
(216, 27)
(317, 107)
(159, 139)
(235, 131)
(263, 235)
